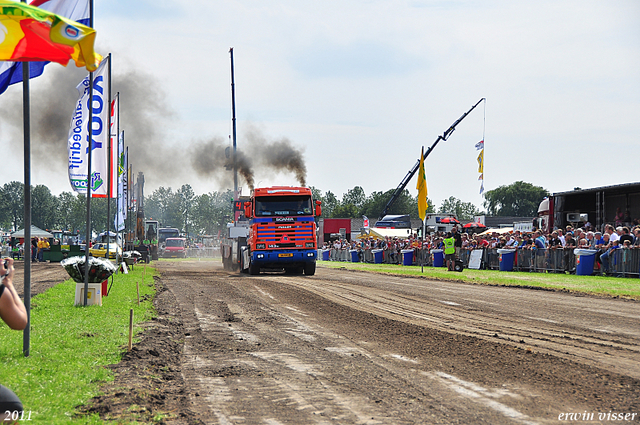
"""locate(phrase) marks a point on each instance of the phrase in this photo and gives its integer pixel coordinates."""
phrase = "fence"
(624, 262)
(206, 252)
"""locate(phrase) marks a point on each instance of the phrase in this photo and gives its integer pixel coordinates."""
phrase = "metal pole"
(233, 119)
(89, 150)
(109, 164)
(26, 117)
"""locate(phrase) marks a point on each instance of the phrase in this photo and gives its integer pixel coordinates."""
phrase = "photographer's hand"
(12, 310)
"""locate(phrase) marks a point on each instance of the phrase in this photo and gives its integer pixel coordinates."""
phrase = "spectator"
(604, 258)
(457, 240)
(625, 236)
(561, 236)
(619, 217)
(554, 241)
(613, 236)
(34, 249)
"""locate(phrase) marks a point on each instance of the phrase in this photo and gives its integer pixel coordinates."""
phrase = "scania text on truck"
(282, 230)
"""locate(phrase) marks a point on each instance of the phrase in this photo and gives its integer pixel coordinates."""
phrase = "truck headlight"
(260, 246)
(260, 256)
(308, 244)
(310, 254)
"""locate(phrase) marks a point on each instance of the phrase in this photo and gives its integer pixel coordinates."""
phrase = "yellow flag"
(481, 162)
(422, 189)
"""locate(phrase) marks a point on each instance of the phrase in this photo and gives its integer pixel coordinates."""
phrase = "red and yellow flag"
(28, 33)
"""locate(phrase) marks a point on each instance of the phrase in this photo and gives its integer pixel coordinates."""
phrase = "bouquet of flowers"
(100, 269)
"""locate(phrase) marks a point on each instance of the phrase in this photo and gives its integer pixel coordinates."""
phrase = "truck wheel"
(254, 269)
(310, 269)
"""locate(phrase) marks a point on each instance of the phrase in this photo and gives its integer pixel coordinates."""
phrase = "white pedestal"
(94, 294)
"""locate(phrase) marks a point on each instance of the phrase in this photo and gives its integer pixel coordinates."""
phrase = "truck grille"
(285, 235)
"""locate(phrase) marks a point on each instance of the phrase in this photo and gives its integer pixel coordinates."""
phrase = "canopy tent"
(36, 232)
(500, 231)
(376, 233)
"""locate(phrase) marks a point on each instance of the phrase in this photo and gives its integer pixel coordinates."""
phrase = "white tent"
(36, 232)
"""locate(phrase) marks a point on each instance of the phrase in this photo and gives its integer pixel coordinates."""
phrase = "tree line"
(208, 213)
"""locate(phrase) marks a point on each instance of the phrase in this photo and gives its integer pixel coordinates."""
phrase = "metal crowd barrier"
(625, 262)
(206, 252)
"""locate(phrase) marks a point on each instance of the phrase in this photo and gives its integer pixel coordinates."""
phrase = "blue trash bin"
(325, 254)
(377, 256)
(354, 256)
(585, 260)
(507, 257)
(407, 257)
(438, 257)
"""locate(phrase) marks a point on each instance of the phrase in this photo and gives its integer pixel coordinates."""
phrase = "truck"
(280, 232)
(175, 247)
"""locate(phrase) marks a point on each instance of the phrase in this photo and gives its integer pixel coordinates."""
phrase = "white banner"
(121, 214)
(78, 142)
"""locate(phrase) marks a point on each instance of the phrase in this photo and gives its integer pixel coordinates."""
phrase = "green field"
(605, 286)
(70, 347)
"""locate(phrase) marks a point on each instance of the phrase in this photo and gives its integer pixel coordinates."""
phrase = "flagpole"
(109, 164)
(423, 239)
(26, 118)
(89, 155)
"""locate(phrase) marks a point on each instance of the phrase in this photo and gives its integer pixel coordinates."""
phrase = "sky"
(357, 88)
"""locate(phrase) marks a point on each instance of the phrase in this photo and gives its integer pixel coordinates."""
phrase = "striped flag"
(75, 10)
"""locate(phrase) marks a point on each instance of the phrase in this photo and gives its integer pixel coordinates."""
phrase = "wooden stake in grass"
(130, 328)
(138, 289)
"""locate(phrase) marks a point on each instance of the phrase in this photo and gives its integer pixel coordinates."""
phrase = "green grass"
(70, 347)
(606, 286)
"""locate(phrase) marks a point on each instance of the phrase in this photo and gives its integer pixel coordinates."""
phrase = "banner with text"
(78, 141)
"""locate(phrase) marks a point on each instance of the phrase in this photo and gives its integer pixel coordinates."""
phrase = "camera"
(5, 264)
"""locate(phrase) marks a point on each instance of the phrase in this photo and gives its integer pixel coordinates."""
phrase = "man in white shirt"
(613, 236)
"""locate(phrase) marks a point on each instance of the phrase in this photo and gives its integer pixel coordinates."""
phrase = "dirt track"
(346, 347)
(349, 347)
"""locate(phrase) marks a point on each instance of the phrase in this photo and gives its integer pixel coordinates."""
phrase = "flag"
(115, 147)
(481, 162)
(422, 189)
(76, 10)
(78, 141)
(121, 214)
(34, 34)
(480, 145)
(366, 222)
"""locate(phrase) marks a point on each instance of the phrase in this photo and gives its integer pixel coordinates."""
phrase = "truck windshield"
(165, 233)
(283, 205)
(175, 242)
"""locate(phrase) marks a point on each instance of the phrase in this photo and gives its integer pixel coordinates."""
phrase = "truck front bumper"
(283, 258)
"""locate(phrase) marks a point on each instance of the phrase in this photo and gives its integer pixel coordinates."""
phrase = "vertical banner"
(116, 151)
(78, 141)
(121, 214)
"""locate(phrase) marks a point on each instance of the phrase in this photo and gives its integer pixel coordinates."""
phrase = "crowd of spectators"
(563, 241)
